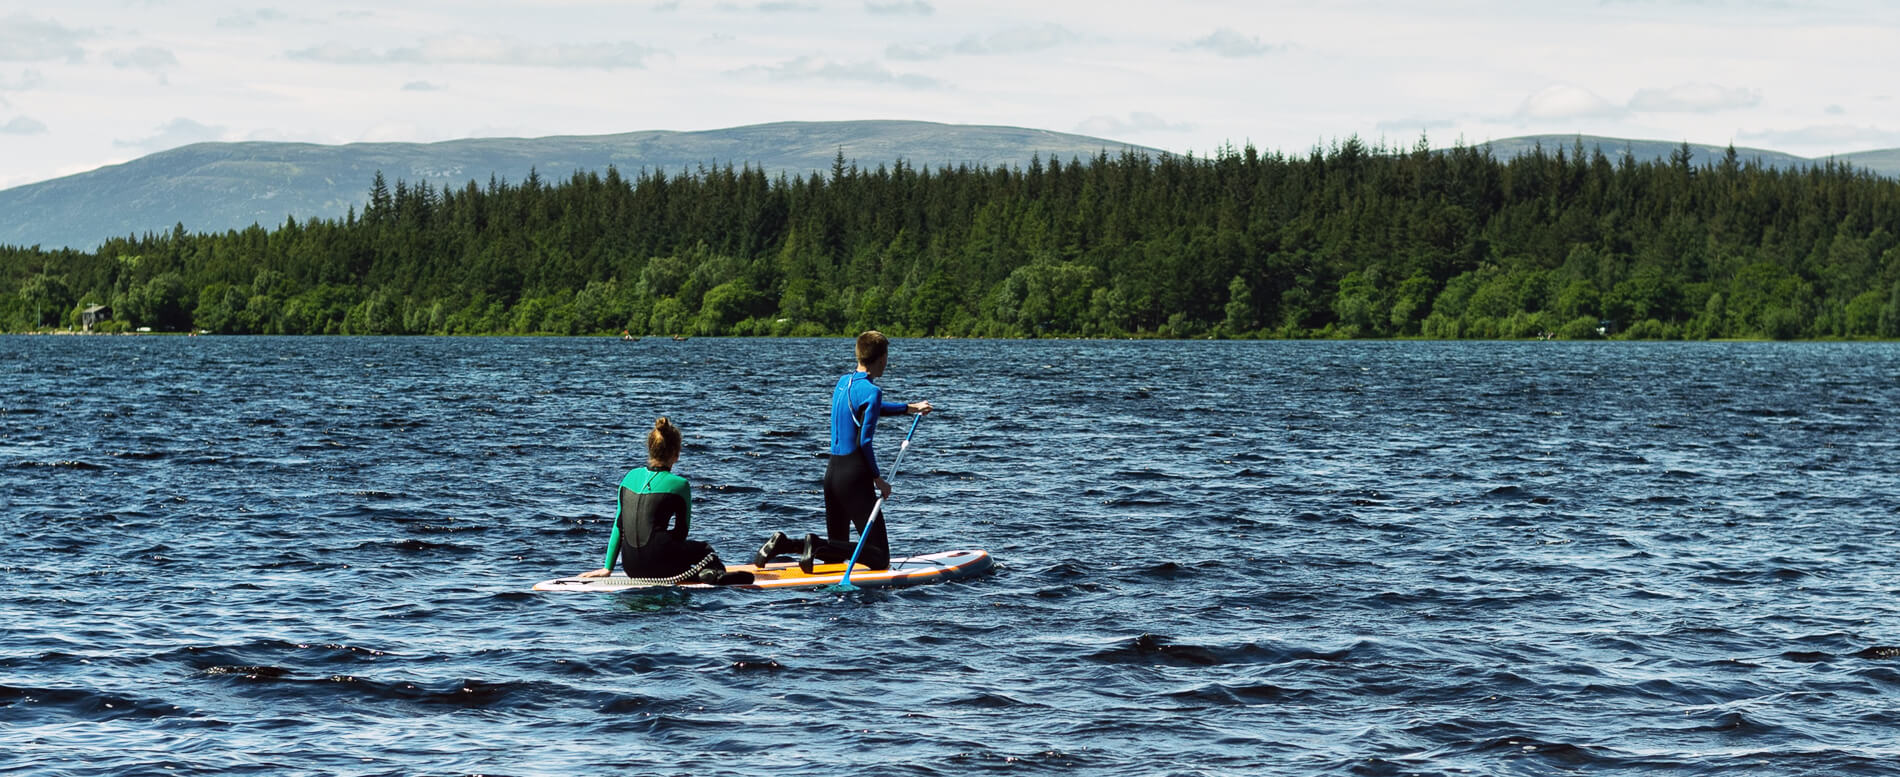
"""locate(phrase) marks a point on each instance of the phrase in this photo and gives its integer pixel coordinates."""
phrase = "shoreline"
(669, 338)
(80, 333)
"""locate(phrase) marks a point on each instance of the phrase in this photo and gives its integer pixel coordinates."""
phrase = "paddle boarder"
(853, 483)
(656, 509)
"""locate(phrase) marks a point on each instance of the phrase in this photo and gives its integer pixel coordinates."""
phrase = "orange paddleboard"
(910, 570)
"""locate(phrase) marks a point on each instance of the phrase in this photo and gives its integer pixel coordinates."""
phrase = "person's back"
(655, 513)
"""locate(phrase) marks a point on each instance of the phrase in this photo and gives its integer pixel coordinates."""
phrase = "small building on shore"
(93, 315)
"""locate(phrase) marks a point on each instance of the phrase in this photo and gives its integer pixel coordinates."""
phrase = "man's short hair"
(872, 346)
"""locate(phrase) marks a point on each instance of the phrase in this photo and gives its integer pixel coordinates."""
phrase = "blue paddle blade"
(841, 587)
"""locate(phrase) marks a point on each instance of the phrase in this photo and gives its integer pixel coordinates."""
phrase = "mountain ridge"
(213, 187)
(1879, 161)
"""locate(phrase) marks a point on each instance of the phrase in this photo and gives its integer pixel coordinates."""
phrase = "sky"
(87, 83)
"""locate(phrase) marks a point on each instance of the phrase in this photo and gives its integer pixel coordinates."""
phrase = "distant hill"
(212, 187)
(1885, 162)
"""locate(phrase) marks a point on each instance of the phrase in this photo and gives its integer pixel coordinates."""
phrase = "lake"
(312, 556)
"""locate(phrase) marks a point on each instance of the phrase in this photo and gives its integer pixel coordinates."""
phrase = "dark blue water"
(312, 556)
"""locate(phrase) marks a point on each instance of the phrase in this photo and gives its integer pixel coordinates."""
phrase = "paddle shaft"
(878, 507)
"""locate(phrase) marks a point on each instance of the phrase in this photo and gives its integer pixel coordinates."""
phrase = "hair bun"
(663, 443)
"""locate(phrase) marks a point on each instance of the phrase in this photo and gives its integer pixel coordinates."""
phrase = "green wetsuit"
(649, 534)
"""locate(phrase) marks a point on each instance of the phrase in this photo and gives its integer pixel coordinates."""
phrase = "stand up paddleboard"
(910, 570)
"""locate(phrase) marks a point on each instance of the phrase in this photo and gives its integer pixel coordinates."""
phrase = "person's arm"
(686, 510)
(877, 478)
(613, 544)
(613, 549)
(864, 437)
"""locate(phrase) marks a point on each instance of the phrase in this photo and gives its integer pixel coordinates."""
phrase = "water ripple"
(271, 555)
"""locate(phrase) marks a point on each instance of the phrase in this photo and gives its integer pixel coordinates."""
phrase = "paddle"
(844, 584)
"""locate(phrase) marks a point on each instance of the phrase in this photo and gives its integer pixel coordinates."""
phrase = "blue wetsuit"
(850, 493)
(852, 424)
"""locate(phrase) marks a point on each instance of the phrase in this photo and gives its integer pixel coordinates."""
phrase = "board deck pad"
(909, 570)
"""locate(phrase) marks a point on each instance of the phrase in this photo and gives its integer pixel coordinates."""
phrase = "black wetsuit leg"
(849, 496)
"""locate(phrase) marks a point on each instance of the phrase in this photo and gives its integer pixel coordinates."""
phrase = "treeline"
(1349, 241)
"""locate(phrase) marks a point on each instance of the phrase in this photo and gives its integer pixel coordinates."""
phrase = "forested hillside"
(212, 187)
(1349, 241)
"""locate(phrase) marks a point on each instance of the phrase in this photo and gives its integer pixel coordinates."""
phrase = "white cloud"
(914, 53)
(29, 79)
(485, 51)
(150, 58)
(26, 39)
(819, 68)
(1565, 101)
(178, 132)
(1228, 42)
(1018, 40)
(396, 132)
(1694, 98)
(1458, 71)
(252, 19)
(771, 6)
(900, 8)
(1841, 138)
(23, 125)
(274, 135)
(1414, 125)
(342, 54)
(1110, 126)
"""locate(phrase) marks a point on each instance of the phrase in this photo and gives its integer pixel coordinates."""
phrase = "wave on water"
(275, 555)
